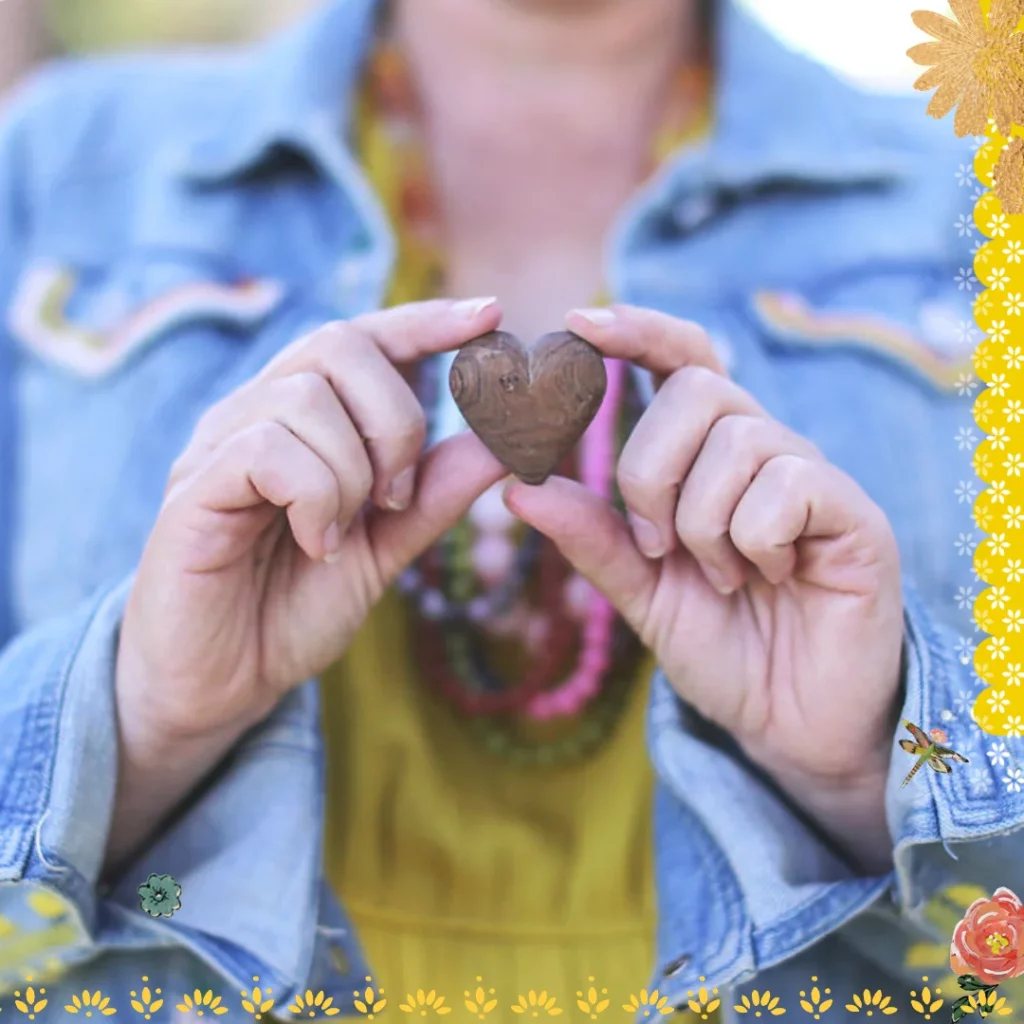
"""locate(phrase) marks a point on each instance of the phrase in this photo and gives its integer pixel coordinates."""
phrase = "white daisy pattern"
(965, 384)
(998, 384)
(965, 439)
(998, 279)
(964, 649)
(965, 491)
(965, 543)
(963, 702)
(999, 332)
(965, 280)
(998, 755)
(1014, 727)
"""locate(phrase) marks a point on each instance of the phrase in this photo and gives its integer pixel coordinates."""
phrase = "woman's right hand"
(286, 518)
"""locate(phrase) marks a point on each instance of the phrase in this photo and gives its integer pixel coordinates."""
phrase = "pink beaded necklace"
(597, 457)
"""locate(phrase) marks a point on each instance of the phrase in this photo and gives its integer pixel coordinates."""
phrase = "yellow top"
(460, 871)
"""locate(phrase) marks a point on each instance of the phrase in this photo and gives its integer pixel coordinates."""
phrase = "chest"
(94, 449)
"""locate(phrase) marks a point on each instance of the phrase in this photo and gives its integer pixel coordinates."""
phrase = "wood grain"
(530, 406)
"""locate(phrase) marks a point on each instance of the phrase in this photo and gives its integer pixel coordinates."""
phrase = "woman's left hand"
(765, 581)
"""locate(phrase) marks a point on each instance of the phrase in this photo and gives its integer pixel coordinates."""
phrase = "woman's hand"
(763, 578)
(285, 520)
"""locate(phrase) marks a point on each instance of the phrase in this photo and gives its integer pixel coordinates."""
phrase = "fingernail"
(400, 492)
(472, 308)
(719, 580)
(332, 543)
(648, 537)
(598, 317)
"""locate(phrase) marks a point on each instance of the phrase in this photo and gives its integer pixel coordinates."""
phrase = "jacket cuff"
(773, 885)
(249, 839)
(59, 771)
(970, 803)
(743, 881)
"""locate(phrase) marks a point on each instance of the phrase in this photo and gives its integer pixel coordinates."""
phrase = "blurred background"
(865, 40)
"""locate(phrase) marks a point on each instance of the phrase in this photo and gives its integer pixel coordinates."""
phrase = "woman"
(208, 514)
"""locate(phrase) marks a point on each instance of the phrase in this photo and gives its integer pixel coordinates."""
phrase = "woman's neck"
(539, 116)
(593, 71)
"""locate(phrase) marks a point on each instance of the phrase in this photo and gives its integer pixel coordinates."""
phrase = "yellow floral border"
(976, 66)
(815, 1001)
(998, 462)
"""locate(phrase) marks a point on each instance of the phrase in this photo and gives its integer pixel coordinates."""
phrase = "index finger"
(655, 341)
(404, 334)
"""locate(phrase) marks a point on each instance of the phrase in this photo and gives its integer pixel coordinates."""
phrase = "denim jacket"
(169, 222)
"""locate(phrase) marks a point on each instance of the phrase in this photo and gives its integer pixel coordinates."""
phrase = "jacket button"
(693, 212)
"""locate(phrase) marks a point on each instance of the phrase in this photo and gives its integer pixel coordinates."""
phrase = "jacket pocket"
(90, 322)
(907, 322)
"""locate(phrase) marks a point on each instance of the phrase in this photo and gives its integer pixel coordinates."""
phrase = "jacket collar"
(777, 114)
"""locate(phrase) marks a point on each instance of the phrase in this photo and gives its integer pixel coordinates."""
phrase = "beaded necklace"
(491, 581)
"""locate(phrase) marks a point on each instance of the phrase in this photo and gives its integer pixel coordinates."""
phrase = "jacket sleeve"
(36, 668)
(771, 884)
(58, 735)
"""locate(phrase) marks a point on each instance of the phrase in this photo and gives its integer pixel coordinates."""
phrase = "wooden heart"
(529, 406)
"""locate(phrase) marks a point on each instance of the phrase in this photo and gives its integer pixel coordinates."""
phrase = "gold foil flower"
(978, 64)
(1008, 177)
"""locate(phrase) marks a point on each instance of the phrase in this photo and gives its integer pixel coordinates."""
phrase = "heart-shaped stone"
(529, 406)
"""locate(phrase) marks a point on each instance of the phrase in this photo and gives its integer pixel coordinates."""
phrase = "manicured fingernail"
(400, 491)
(648, 537)
(472, 308)
(332, 543)
(598, 317)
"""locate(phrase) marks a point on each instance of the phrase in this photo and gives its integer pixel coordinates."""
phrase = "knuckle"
(305, 350)
(359, 479)
(734, 435)
(331, 332)
(791, 471)
(265, 439)
(407, 425)
(697, 536)
(307, 390)
(691, 383)
(637, 484)
(210, 423)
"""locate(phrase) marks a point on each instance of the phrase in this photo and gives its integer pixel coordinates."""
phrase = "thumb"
(451, 476)
(593, 538)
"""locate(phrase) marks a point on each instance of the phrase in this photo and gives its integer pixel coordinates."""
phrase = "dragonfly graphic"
(927, 749)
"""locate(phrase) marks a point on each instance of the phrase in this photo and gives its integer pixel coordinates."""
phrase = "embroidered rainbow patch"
(790, 316)
(38, 317)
